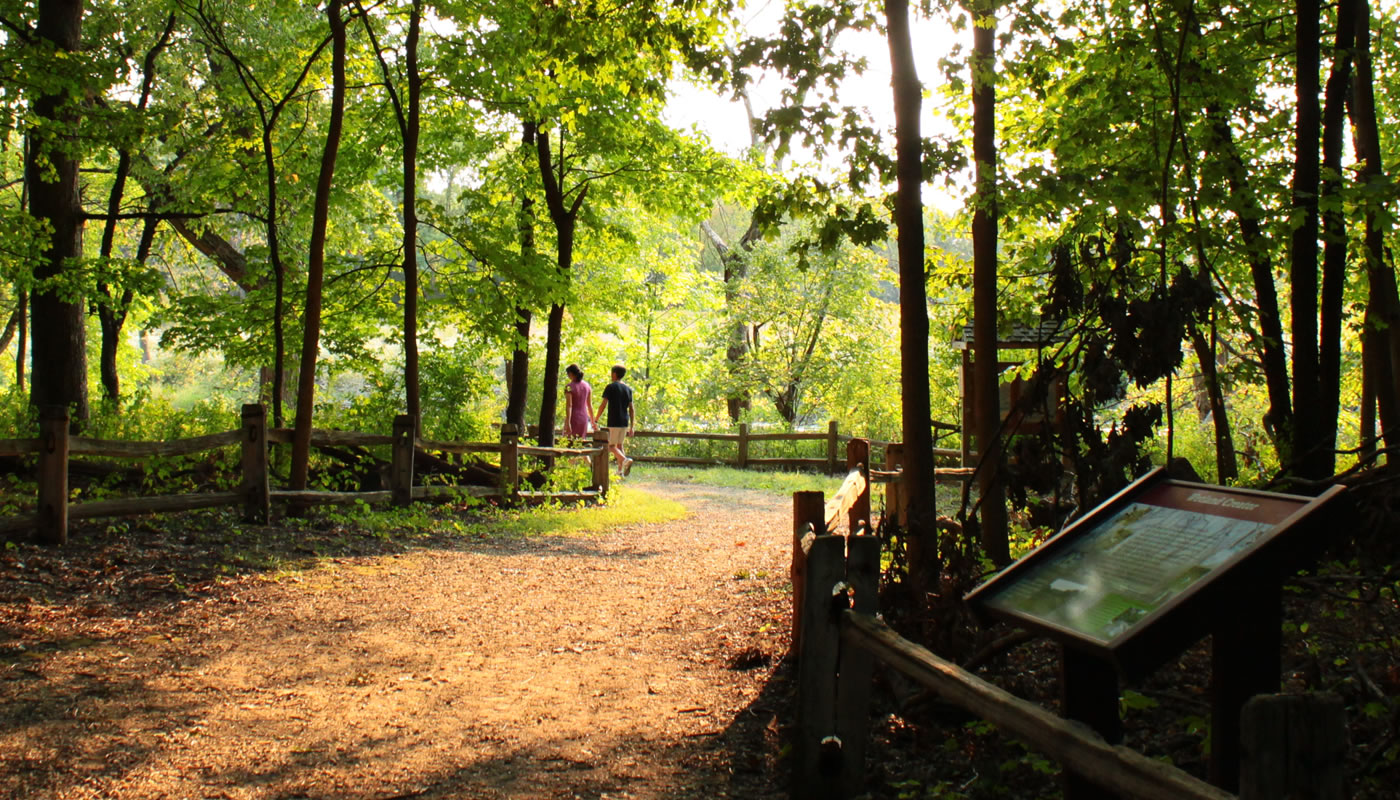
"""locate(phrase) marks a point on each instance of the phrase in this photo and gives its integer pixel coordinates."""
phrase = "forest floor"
(630, 663)
(191, 657)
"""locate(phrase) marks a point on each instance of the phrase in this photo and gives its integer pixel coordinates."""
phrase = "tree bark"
(1382, 329)
(1226, 463)
(1303, 269)
(411, 126)
(1278, 420)
(564, 215)
(915, 405)
(11, 325)
(112, 311)
(22, 341)
(549, 399)
(315, 263)
(518, 386)
(736, 266)
(984, 288)
(1334, 238)
(59, 334)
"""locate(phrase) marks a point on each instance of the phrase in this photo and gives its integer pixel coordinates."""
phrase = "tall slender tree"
(316, 258)
(986, 366)
(407, 103)
(112, 311)
(913, 299)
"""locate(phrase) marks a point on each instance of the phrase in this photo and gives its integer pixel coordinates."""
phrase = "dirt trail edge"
(630, 664)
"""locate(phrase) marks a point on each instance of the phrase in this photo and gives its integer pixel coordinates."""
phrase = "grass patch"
(626, 506)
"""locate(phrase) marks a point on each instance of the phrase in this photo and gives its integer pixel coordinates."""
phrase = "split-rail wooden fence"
(831, 461)
(1294, 746)
(54, 446)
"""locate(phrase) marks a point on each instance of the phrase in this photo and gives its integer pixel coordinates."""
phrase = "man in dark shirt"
(622, 417)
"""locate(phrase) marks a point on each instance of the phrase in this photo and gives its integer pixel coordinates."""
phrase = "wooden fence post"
(401, 470)
(856, 673)
(52, 523)
(808, 513)
(743, 461)
(831, 442)
(601, 473)
(896, 499)
(858, 457)
(819, 750)
(1089, 694)
(1293, 746)
(510, 459)
(256, 488)
(1246, 659)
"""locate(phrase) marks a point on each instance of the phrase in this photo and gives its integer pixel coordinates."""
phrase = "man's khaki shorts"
(617, 436)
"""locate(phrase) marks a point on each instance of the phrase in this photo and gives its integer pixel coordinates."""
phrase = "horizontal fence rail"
(55, 447)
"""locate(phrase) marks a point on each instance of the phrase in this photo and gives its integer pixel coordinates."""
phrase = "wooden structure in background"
(1016, 417)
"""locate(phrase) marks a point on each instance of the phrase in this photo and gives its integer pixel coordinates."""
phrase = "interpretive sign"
(1137, 557)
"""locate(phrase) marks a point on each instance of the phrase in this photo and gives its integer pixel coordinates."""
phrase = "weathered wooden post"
(1293, 746)
(743, 461)
(819, 750)
(401, 469)
(858, 457)
(1089, 694)
(256, 487)
(510, 459)
(831, 442)
(52, 522)
(601, 473)
(1246, 659)
(855, 675)
(896, 499)
(808, 514)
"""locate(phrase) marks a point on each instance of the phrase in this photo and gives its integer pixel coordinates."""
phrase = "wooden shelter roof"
(1019, 336)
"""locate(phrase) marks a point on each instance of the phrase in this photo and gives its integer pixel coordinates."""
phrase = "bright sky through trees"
(723, 120)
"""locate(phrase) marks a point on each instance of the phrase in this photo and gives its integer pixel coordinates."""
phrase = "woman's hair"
(574, 372)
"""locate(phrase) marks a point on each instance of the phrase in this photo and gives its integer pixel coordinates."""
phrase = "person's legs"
(616, 436)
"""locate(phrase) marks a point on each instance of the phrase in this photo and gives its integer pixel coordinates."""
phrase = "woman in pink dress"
(578, 398)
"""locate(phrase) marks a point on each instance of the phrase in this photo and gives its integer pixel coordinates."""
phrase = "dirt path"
(631, 664)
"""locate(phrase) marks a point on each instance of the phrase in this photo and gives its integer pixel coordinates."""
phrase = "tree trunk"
(984, 289)
(11, 325)
(279, 284)
(549, 399)
(410, 220)
(1307, 399)
(736, 266)
(519, 383)
(1226, 464)
(1366, 427)
(112, 313)
(1278, 420)
(59, 334)
(315, 262)
(1334, 238)
(22, 341)
(1382, 331)
(519, 379)
(915, 406)
(565, 218)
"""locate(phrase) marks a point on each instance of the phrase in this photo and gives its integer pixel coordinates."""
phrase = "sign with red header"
(1137, 558)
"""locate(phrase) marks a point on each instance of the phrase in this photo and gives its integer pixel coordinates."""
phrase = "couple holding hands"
(617, 403)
